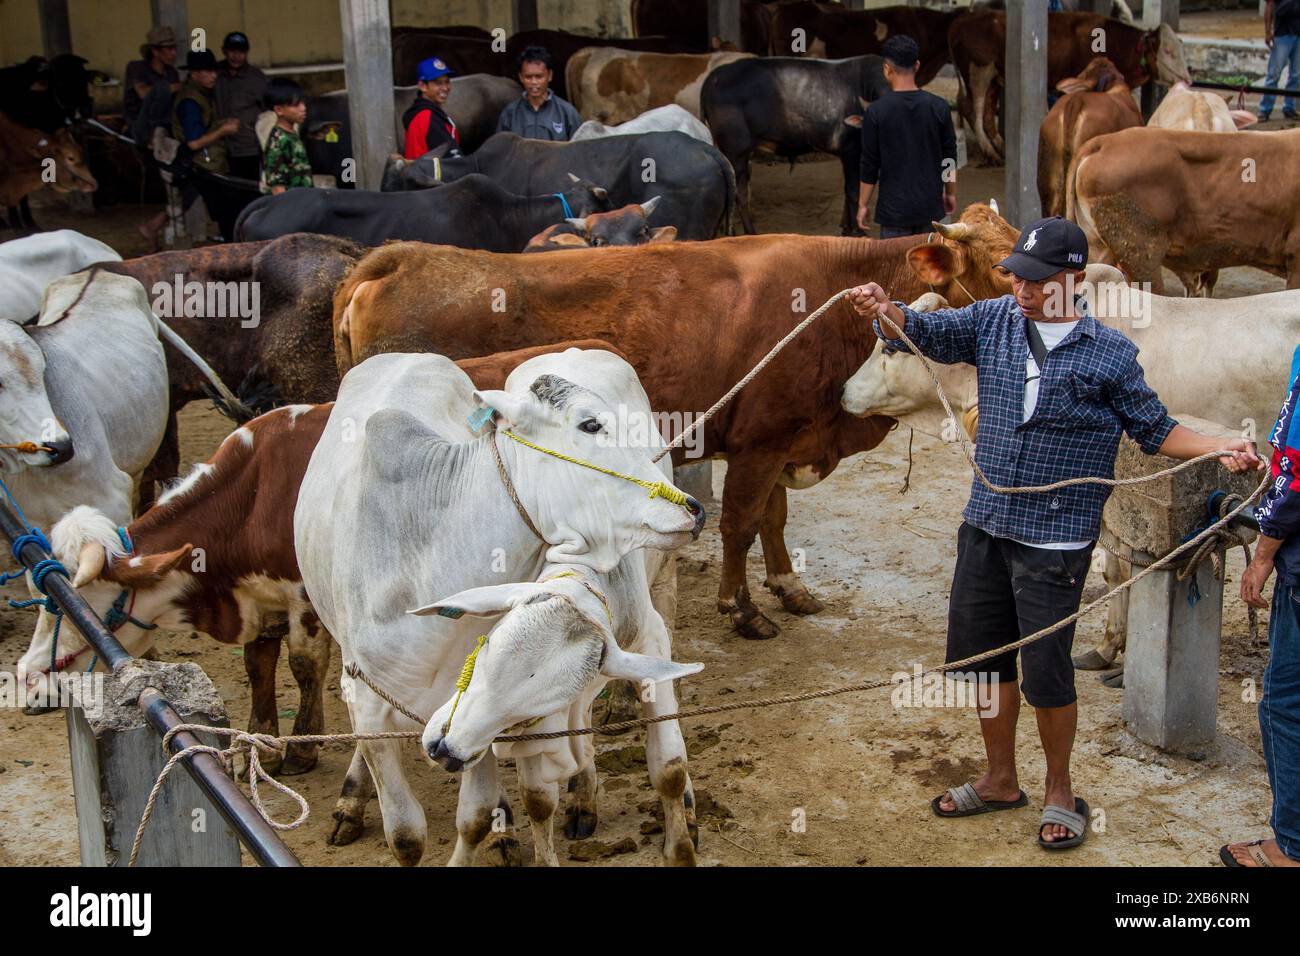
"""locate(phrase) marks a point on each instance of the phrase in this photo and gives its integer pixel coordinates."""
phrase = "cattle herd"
(418, 400)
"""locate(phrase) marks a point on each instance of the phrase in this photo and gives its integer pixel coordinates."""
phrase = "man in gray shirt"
(239, 92)
(538, 113)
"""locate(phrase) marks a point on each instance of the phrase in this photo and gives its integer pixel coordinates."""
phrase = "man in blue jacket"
(1056, 389)
(1278, 549)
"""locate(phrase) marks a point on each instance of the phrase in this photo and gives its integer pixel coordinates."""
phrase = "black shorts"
(1002, 591)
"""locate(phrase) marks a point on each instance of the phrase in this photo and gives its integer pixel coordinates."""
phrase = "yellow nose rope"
(658, 489)
(462, 682)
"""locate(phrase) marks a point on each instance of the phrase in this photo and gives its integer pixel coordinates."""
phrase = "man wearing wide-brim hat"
(1056, 390)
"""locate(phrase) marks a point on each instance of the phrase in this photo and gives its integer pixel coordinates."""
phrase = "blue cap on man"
(431, 69)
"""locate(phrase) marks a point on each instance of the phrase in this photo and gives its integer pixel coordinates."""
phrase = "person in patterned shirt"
(284, 161)
(1056, 389)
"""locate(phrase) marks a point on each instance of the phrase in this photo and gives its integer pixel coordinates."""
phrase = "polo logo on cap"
(1031, 241)
(1074, 257)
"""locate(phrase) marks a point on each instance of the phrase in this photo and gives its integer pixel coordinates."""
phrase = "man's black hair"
(902, 52)
(282, 92)
(534, 54)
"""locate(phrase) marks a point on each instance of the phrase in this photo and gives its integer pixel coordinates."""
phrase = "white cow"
(29, 264)
(1181, 343)
(580, 621)
(402, 503)
(661, 119)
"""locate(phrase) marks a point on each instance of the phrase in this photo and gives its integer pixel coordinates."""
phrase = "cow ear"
(146, 570)
(510, 409)
(663, 234)
(934, 263)
(568, 239)
(1071, 84)
(855, 121)
(486, 601)
(625, 665)
(1243, 118)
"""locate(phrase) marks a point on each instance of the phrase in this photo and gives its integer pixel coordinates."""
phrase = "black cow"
(473, 213)
(47, 94)
(694, 179)
(792, 106)
(474, 105)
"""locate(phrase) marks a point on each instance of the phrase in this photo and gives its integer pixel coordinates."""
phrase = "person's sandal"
(1076, 822)
(968, 802)
(1254, 850)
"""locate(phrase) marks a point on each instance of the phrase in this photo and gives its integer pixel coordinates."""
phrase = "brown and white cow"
(628, 226)
(692, 319)
(31, 159)
(613, 85)
(978, 43)
(1192, 201)
(214, 554)
(1096, 101)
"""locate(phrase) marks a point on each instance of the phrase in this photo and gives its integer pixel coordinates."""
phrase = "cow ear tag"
(452, 612)
(331, 135)
(480, 417)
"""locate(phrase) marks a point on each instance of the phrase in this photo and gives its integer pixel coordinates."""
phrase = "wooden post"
(724, 21)
(117, 756)
(174, 14)
(1026, 106)
(56, 35)
(368, 73)
(1154, 13)
(524, 13)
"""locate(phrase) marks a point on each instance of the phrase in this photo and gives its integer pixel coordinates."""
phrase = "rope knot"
(663, 490)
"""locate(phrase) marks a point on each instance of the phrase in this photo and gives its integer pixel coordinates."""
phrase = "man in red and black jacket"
(427, 124)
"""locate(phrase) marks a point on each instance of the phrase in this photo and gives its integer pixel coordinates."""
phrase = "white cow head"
(553, 642)
(25, 412)
(587, 517)
(85, 540)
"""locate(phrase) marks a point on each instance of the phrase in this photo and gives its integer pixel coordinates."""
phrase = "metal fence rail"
(258, 836)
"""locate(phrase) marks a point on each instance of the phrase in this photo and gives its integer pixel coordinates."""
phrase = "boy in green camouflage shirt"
(284, 162)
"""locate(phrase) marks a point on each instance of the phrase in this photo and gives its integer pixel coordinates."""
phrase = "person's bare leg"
(1000, 781)
(1056, 726)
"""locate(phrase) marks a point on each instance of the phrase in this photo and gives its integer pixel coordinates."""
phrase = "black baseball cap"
(1046, 247)
(200, 60)
(235, 41)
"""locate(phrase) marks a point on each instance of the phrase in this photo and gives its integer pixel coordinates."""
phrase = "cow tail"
(728, 174)
(225, 400)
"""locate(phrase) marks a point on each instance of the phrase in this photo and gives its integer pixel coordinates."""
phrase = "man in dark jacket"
(240, 88)
(427, 124)
(909, 150)
(538, 113)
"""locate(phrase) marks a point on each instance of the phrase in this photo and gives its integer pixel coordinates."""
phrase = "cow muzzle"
(440, 753)
(59, 451)
(696, 511)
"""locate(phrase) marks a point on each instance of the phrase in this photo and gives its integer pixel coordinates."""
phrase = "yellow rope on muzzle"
(462, 682)
(658, 489)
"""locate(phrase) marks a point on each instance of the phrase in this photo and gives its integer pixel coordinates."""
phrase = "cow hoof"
(346, 829)
(299, 760)
(800, 602)
(681, 853)
(1092, 661)
(579, 824)
(35, 710)
(501, 849)
(754, 626)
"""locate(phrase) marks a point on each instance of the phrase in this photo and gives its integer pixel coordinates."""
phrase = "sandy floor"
(860, 771)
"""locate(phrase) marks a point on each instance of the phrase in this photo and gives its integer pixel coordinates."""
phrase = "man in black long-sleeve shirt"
(909, 150)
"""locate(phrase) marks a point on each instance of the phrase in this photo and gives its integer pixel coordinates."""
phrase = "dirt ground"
(859, 771)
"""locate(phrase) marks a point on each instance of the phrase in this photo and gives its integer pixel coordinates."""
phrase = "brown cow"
(1192, 201)
(31, 159)
(1096, 101)
(281, 355)
(692, 319)
(978, 41)
(628, 226)
(613, 86)
(833, 32)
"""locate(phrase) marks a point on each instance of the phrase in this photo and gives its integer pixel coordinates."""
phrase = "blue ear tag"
(480, 417)
(451, 612)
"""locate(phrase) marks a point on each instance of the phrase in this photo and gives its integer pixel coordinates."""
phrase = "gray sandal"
(968, 802)
(1075, 821)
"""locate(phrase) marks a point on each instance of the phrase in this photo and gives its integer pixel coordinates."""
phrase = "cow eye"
(590, 426)
(597, 241)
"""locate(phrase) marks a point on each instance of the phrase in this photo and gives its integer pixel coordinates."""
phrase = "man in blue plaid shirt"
(1056, 389)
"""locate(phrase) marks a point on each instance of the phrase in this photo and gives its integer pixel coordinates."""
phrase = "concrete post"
(56, 35)
(174, 14)
(1026, 106)
(524, 14)
(724, 20)
(368, 72)
(696, 479)
(116, 757)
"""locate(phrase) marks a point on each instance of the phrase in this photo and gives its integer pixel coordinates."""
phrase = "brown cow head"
(69, 163)
(1098, 77)
(959, 261)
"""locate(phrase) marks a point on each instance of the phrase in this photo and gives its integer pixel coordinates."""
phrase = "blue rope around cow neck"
(568, 212)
